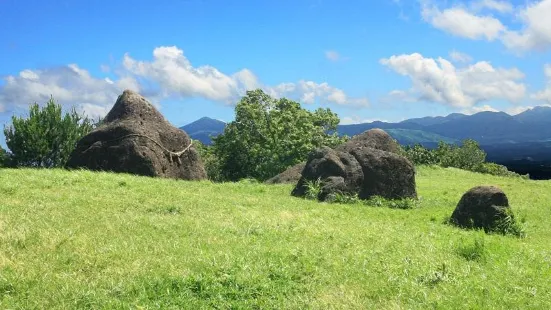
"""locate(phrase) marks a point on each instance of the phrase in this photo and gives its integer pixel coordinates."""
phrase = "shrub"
(468, 156)
(46, 138)
(420, 155)
(313, 189)
(499, 170)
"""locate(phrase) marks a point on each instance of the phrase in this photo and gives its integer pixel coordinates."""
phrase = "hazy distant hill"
(521, 142)
(487, 128)
(203, 128)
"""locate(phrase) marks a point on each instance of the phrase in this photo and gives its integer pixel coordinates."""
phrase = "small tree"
(46, 138)
(210, 161)
(270, 135)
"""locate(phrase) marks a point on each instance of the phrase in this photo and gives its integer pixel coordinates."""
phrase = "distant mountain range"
(204, 128)
(524, 138)
(488, 128)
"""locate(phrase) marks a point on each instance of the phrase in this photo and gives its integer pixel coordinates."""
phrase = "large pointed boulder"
(135, 138)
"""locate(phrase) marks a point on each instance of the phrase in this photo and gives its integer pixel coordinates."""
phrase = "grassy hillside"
(96, 240)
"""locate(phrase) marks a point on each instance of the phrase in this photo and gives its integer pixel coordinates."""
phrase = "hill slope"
(98, 240)
(204, 128)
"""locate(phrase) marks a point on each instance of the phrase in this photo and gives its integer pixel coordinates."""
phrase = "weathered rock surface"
(135, 138)
(367, 165)
(480, 207)
(374, 138)
(339, 171)
(385, 174)
(291, 175)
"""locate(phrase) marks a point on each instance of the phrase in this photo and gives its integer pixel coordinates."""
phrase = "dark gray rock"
(374, 138)
(368, 165)
(291, 175)
(385, 174)
(135, 138)
(481, 207)
(338, 171)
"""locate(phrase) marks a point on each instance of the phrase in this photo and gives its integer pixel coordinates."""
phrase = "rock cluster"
(367, 165)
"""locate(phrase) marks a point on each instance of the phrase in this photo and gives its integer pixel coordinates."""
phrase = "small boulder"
(481, 207)
(291, 175)
(135, 138)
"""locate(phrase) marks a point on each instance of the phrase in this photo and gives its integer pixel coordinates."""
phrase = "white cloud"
(355, 119)
(438, 80)
(69, 85)
(173, 72)
(477, 109)
(332, 55)
(308, 91)
(533, 34)
(536, 31)
(545, 94)
(460, 57)
(462, 23)
(169, 74)
(495, 5)
(105, 68)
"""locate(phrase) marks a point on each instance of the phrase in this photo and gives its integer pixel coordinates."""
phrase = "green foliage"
(405, 203)
(344, 198)
(420, 155)
(313, 189)
(475, 251)
(270, 135)
(508, 225)
(46, 138)
(210, 161)
(499, 170)
(5, 158)
(468, 156)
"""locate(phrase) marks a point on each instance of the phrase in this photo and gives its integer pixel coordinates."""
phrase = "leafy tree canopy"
(269, 135)
(47, 137)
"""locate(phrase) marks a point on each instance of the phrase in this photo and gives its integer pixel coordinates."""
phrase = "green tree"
(269, 135)
(47, 137)
(210, 161)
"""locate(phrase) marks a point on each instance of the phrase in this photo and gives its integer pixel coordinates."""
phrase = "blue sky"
(366, 60)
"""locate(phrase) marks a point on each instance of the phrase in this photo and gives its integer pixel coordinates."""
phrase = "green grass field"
(77, 240)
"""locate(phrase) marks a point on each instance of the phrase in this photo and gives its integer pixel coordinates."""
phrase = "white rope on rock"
(171, 153)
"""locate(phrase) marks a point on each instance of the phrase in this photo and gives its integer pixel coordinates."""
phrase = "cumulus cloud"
(438, 80)
(494, 5)
(462, 23)
(470, 22)
(69, 85)
(355, 119)
(308, 92)
(477, 109)
(332, 55)
(168, 74)
(536, 31)
(545, 94)
(460, 57)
